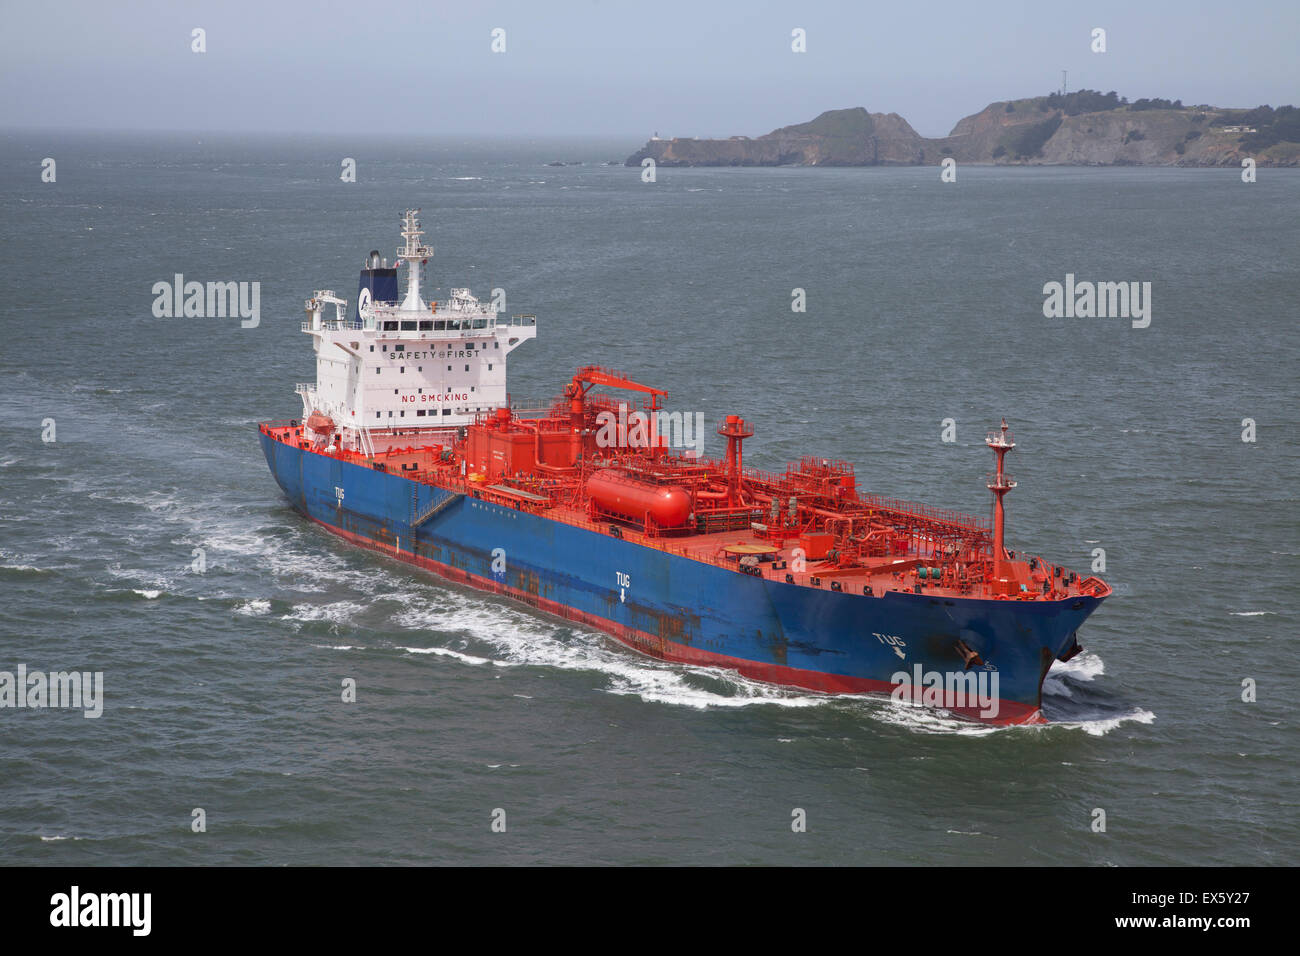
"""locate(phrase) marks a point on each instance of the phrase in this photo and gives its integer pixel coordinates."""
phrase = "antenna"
(1063, 85)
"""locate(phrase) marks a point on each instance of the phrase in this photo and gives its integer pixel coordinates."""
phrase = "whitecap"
(1101, 726)
(340, 612)
(456, 655)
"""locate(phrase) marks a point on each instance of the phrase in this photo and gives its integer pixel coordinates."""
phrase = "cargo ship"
(588, 506)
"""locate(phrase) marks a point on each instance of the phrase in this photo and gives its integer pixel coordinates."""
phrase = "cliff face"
(1016, 132)
(850, 137)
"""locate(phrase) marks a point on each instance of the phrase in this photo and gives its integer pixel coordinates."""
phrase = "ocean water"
(924, 303)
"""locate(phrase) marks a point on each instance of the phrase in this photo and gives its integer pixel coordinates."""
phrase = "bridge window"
(408, 326)
(426, 325)
(390, 326)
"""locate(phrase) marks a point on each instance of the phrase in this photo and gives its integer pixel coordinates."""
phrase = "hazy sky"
(599, 67)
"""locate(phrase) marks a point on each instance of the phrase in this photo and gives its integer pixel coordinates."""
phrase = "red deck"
(808, 525)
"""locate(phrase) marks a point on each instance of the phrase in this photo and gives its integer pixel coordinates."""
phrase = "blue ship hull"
(677, 608)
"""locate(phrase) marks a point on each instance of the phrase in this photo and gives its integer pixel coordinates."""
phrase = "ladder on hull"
(419, 518)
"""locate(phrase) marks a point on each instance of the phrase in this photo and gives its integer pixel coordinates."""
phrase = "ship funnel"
(378, 283)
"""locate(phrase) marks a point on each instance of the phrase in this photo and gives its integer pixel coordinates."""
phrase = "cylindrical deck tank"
(620, 494)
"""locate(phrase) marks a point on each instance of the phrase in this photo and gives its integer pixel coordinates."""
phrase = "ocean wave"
(1082, 669)
(505, 636)
(154, 501)
(24, 569)
(673, 684)
(145, 580)
(519, 638)
(916, 718)
(1101, 726)
(338, 613)
(457, 655)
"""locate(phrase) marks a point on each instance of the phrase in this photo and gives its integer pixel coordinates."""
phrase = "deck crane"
(590, 376)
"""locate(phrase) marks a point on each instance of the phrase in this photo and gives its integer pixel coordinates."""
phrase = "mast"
(735, 430)
(1001, 443)
(414, 254)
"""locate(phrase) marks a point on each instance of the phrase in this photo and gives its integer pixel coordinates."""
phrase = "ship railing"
(818, 467)
(436, 325)
(778, 481)
(915, 509)
(543, 405)
(363, 439)
(784, 484)
(333, 325)
(438, 309)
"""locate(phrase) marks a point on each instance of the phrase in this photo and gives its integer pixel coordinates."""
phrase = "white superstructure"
(399, 369)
